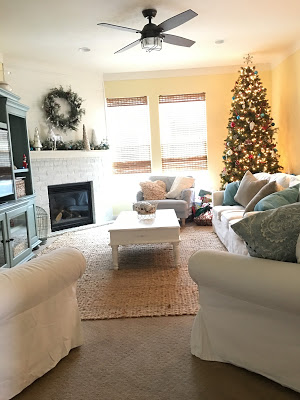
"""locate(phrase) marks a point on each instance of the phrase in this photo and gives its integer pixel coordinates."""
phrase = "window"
(183, 133)
(129, 134)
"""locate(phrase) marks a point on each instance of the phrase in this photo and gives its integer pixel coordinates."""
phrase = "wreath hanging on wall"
(68, 121)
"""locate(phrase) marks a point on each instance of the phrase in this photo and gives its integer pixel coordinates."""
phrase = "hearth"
(70, 205)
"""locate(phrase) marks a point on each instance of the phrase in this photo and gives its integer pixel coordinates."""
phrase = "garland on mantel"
(71, 145)
(52, 108)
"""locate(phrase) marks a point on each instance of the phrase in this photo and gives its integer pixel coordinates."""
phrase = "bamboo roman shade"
(129, 131)
(183, 131)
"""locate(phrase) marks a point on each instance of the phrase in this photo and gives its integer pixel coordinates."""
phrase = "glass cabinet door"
(18, 235)
(3, 243)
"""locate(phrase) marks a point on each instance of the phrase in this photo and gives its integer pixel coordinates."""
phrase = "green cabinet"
(18, 232)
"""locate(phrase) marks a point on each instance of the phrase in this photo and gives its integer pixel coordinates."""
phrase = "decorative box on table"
(20, 188)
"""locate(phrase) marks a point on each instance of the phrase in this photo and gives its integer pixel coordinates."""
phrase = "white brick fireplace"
(73, 166)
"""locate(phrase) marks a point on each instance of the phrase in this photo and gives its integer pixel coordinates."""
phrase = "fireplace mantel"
(46, 154)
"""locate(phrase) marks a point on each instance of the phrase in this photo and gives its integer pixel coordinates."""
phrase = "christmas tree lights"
(250, 144)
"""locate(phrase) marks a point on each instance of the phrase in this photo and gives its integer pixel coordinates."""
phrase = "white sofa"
(249, 313)
(225, 216)
(39, 317)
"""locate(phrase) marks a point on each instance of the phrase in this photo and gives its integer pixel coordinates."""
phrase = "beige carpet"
(146, 284)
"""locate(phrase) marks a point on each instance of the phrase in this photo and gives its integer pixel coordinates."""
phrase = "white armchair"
(39, 317)
(249, 314)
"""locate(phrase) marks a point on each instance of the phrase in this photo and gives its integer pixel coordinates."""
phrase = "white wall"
(32, 81)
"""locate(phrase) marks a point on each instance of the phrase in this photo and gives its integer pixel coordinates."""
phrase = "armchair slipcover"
(182, 206)
(39, 317)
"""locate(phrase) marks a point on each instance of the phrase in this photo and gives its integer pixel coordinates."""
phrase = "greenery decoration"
(52, 109)
(71, 145)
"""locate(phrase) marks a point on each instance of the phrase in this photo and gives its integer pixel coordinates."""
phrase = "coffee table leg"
(115, 256)
(176, 253)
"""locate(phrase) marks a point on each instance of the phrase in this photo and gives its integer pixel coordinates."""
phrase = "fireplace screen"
(70, 205)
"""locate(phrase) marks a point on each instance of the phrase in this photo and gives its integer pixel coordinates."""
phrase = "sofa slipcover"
(249, 314)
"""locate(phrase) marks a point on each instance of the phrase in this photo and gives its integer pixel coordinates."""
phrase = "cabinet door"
(18, 235)
(3, 243)
(34, 240)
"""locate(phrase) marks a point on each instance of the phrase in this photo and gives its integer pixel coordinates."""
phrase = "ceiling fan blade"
(178, 40)
(177, 20)
(128, 46)
(122, 28)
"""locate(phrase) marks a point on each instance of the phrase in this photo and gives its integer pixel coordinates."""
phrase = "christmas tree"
(250, 144)
(86, 142)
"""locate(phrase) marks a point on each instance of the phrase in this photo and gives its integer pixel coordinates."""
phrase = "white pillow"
(262, 176)
(281, 178)
(298, 250)
(180, 183)
(295, 179)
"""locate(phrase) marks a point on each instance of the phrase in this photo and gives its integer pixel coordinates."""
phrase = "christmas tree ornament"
(232, 124)
(251, 125)
(238, 117)
(229, 152)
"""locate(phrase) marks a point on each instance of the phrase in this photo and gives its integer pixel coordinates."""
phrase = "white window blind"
(183, 132)
(129, 134)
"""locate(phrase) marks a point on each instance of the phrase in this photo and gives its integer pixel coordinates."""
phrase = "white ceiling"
(52, 31)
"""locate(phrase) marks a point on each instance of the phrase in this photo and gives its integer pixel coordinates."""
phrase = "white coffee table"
(128, 229)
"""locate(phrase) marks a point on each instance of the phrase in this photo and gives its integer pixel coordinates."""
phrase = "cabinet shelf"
(20, 170)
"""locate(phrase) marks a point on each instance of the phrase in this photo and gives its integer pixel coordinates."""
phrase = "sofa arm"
(217, 198)
(268, 283)
(139, 196)
(25, 286)
(188, 195)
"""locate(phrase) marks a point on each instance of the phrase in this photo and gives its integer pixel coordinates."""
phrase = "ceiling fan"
(153, 35)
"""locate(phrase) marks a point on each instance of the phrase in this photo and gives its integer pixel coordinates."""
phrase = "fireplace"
(70, 205)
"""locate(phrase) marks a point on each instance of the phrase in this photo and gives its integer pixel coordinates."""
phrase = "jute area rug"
(146, 284)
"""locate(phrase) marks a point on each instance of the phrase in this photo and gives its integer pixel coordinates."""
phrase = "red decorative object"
(25, 164)
(232, 124)
(251, 156)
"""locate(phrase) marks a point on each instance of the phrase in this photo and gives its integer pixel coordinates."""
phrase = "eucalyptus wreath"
(51, 107)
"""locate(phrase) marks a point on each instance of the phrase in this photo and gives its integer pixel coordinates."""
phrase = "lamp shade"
(151, 43)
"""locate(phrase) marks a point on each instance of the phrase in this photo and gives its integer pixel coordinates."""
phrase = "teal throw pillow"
(271, 234)
(278, 199)
(230, 192)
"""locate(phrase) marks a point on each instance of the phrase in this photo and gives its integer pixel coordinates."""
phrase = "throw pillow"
(269, 188)
(271, 234)
(248, 188)
(180, 183)
(278, 199)
(229, 193)
(153, 190)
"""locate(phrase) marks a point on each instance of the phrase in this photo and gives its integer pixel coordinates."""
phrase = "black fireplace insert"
(70, 205)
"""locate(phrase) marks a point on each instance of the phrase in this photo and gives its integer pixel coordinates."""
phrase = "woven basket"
(20, 188)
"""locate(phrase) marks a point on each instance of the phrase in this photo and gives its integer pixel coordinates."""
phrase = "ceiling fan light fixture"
(151, 43)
